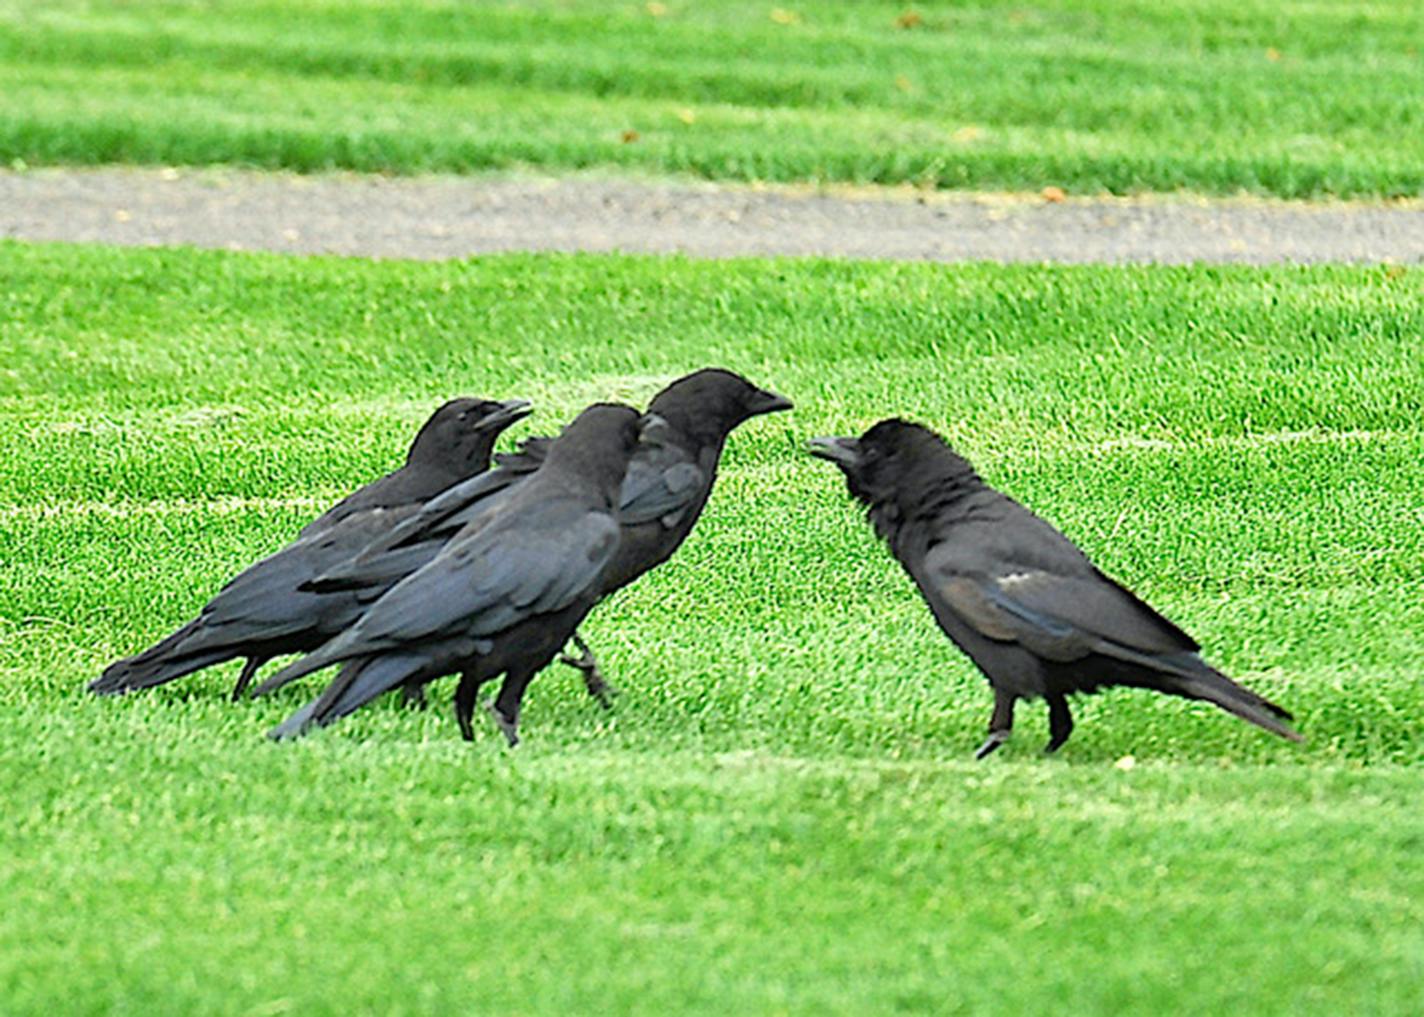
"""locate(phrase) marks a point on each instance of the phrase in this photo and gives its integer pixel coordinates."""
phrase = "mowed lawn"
(781, 815)
(1294, 99)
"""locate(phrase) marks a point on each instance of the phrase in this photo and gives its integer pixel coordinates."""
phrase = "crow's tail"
(359, 681)
(1207, 683)
(162, 662)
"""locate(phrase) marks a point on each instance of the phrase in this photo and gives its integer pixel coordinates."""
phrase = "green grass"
(1295, 99)
(781, 814)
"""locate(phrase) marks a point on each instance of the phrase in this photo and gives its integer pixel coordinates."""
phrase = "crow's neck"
(600, 477)
(946, 495)
(441, 471)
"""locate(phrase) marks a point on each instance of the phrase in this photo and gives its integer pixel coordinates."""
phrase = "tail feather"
(1186, 674)
(294, 726)
(1215, 687)
(359, 682)
(169, 658)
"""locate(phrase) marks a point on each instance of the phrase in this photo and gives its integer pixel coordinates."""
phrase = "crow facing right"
(502, 597)
(262, 613)
(1017, 596)
(666, 487)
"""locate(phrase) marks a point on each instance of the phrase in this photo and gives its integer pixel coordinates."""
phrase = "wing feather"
(1058, 615)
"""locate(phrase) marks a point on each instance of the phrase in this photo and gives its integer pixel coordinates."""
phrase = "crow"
(663, 494)
(261, 613)
(502, 597)
(1016, 595)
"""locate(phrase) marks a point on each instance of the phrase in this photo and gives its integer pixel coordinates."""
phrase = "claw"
(413, 696)
(593, 679)
(995, 739)
(510, 728)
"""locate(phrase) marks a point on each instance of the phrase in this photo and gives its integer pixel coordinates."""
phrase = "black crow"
(1017, 596)
(261, 613)
(663, 494)
(501, 597)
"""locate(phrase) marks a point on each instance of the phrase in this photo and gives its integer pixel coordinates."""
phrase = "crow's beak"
(768, 402)
(844, 452)
(509, 411)
(653, 430)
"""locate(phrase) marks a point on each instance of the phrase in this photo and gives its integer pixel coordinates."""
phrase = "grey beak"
(509, 411)
(769, 402)
(844, 452)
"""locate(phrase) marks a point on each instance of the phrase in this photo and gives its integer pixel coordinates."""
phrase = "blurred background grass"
(1215, 96)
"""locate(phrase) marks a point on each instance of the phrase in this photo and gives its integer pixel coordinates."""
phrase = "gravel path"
(445, 217)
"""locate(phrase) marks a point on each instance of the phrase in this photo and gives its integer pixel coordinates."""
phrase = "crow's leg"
(1001, 724)
(1060, 722)
(465, 695)
(593, 679)
(413, 696)
(245, 678)
(505, 708)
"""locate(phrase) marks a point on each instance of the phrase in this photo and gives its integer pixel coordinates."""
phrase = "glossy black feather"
(1015, 594)
(663, 494)
(266, 611)
(502, 596)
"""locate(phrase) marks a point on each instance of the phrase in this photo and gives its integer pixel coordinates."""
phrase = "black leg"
(245, 678)
(593, 679)
(1001, 724)
(1060, 722)
(465, 703)
(505, 708)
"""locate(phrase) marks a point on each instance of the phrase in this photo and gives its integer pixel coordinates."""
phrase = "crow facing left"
(263, 613)
(1017, 596)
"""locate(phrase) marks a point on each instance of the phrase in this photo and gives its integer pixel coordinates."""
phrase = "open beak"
(653, 430)
(768, 402)
(509, 411)
(844, 452)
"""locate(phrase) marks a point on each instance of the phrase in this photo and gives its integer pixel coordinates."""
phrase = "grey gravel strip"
(447, 217)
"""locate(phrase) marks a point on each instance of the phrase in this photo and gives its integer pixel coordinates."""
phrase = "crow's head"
(707, 405)
(897, 463)
(598, 443)
(460, 435)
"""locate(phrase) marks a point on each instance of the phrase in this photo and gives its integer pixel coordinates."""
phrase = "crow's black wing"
(438, 516)
(420, 535)
(1061, 610)
(267, 601)
(498, 577)
(477, 587)
(662, 483)
(533, 562)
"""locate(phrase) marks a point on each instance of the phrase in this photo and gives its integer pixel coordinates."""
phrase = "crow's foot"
(995, 739)
(510, 728)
